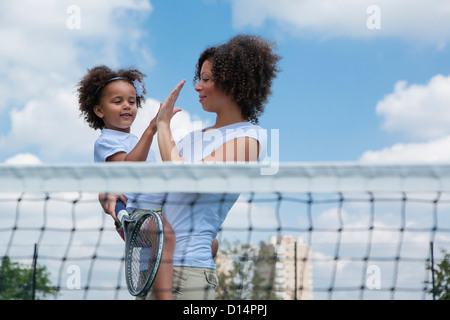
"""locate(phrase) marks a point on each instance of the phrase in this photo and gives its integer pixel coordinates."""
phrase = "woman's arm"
(167, 146)
(242, 149)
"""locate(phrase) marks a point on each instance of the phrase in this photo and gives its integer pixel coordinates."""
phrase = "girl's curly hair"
(94, 80)
(244, 68)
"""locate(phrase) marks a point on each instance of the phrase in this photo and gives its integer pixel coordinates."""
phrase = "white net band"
(216, 178)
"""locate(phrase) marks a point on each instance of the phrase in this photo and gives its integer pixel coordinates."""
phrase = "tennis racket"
(143, 233)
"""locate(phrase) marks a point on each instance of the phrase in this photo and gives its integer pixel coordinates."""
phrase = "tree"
(16, 281)
(441, 272)
(250, 273)
(234, 280)
(263, 278)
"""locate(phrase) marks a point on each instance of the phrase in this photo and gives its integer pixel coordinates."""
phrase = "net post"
(33, 286)
(432, 270)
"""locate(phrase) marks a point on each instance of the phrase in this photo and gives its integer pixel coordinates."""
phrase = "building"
(292, 269)
(270, 271)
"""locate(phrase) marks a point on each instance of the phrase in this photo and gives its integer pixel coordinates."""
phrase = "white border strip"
(165, 177)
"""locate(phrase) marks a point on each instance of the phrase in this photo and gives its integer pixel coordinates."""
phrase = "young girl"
(109, 101)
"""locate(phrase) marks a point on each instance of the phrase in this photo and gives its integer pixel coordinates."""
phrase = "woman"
(234, 81)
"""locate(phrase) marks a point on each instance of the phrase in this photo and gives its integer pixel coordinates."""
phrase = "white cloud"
(247, 213)
(52, 124)
(419, 111)
(433, 151)
(427, 21)
(23, 158)
(39, 53)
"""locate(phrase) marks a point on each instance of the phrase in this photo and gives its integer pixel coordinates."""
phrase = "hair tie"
(138, 86)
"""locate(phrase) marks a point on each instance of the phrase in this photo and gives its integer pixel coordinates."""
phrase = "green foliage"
(16, 281)
(441, 278)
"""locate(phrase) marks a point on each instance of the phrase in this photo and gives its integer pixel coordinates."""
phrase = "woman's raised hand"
(167, 109)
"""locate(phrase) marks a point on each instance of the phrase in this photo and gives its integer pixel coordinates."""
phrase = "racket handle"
(120, 210)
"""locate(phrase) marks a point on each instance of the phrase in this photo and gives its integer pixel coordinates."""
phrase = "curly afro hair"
(243, 68)
(91, 86)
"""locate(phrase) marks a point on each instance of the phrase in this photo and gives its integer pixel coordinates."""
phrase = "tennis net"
(308, 231)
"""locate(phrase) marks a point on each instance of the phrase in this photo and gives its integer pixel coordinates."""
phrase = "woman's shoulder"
(244, 129)
(244, 126)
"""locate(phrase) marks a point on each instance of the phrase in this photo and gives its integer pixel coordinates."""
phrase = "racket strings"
(144, 251)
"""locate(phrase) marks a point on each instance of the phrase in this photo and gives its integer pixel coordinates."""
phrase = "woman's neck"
(228, 116)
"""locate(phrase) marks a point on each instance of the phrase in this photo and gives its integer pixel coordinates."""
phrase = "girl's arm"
(108, 203)
(142, 148)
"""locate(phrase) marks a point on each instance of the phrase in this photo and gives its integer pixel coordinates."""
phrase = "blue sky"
(346, 92)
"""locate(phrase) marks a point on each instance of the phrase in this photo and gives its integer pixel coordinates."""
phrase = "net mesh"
(309, 231)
